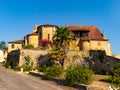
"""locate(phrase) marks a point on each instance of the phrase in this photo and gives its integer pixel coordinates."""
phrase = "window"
(48, 36)
(40, 34)
(85, 34)
(12, 45)
(79, 34)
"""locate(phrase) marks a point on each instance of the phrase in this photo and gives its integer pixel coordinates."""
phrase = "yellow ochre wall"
(48, 30)
(16, 47)
(91, 45)
(32, 39)
(101, 45)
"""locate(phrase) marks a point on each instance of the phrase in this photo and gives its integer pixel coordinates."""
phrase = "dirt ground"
(99, 83)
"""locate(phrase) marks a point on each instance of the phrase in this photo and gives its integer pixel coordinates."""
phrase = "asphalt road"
(10, 80)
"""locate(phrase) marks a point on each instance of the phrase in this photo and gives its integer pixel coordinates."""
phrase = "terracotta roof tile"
(17, 42)
(32, 34)
(49, 25)
(94, 32)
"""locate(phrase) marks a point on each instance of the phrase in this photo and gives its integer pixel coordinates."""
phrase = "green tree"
(62, 38)
(2, 45)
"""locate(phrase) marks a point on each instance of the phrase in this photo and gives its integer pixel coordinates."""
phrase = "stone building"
(85, 38)
(40, 32)
(88, 38)
(15, 45)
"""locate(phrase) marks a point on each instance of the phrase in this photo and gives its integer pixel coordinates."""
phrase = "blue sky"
(18, 17)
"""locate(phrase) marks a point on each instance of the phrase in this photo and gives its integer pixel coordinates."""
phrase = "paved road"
(10, 80)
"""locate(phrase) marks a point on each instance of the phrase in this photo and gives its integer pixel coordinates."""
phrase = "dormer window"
(85, 34)
(79, 34)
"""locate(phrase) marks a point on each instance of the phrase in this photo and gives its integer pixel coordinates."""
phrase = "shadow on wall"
(100, 62)
(13, 58)
(43, 60)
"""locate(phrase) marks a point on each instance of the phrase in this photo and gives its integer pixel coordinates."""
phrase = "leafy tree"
(62, 38)
(2, 45)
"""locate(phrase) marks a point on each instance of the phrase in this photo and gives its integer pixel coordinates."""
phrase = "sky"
(18, 17)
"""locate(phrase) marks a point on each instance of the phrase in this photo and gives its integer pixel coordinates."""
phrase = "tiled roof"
(17, 42)
(94, 32)
(49, 25)
(32, 34)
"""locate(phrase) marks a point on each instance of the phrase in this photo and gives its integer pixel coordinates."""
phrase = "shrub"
(53, 71)
(57, 57)
(78, 74)
(27, 68)
(27, 60)
(18, 68)
(28, 65)
(55, 48)
(29, 46)
(42, 68)
(44, 43)
(115, 74)
(7, 64)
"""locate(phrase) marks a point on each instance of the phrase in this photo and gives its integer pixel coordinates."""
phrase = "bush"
(42, 68)
(28, 65)
(18, 68)
(29, 46)
(27, 68)
(7, 64)
(55, 48)
(53, 71)
(78, 74)
(115, 74)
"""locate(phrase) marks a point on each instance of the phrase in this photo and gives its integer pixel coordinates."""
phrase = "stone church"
(85, 38)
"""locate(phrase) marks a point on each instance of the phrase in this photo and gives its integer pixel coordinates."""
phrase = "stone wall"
(101, 45)
(16, 57)
(32, 39)
(48, 30)
(35, 55)
(16, 47)
(100, 62)
(95, 61)
(91, 45)
(75, 57)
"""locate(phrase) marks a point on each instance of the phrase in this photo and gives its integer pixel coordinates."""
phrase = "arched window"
(48, 36)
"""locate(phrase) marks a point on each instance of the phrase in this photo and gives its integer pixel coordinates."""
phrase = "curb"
(61, 81)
